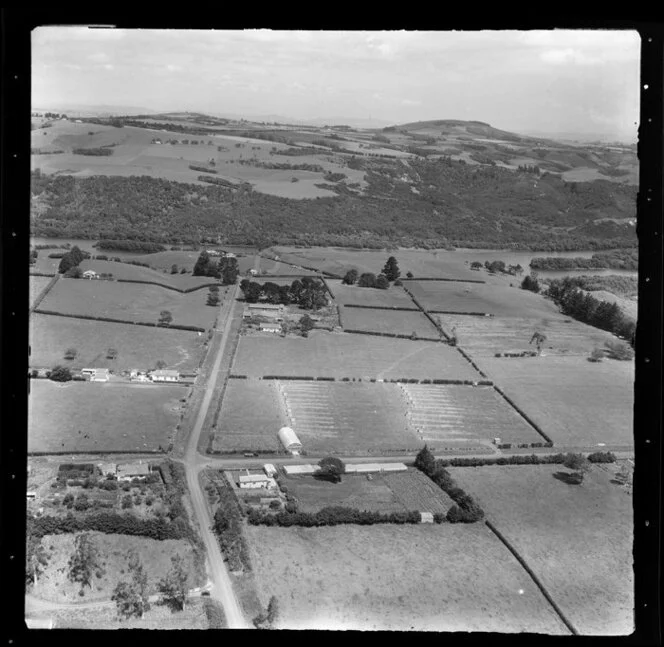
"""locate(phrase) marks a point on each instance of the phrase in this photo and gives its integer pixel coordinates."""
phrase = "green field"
(576, 538)
(133, 302)
(37, 285)
(447, 414)
(394, 296)
(88, 417)
(138, 346)
(347, 355)
(387, 321)
(576, 402)
(250, 417)
(348, 418)
(270, 266)
(422, 577)
(486, 336)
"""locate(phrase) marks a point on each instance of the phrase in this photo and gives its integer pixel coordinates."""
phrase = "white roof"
(266, 306)
(288, 437)
(300, 469)
(166, 373)
(253, 478)
(363, 468)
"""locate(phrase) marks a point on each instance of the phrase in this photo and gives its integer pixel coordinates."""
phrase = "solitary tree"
(382, 282)
(159, 364)
(332, 468)
(71, 353)
(173, 586)
(350, 277)
(60, 374)
(425, 461)
(409, 275)
(391, 269)
(367, 280)
(530, 283)
(579, 464)
(539, 340)
(306, 323)
(84, 562)
(174, 269)
(165, 318)
(476, 265)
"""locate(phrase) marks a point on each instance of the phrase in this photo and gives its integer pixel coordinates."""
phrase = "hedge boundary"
(333, 516)
(391, 335)
(518, 459)
(532, 575)
(168, 287)
(435, 278)
(122, 321)
(43, 293)
(101, 452)
(365, 307)
(465, 314)
(527, 418)
(435, 324)
(42, 274)
(471, 362)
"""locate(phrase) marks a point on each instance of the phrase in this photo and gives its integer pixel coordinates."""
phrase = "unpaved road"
(222, 589)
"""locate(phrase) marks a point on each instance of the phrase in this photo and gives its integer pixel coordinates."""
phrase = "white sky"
(550, 81)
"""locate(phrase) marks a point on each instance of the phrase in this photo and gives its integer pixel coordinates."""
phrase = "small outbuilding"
(289, 440)
(90, 274)
(131, 471)
(426, 517)
(165, 375)
(269, 469)
(274, 328)
(96, 374)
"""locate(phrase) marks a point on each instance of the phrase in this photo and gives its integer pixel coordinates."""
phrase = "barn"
(289, 440)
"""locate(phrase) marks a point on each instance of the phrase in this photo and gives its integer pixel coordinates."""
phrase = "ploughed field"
(348, 355)
(396, 577)
(444, 415)
(387, 321)
(576, 402)
(386, 492)
(348, 418)
(576, 538)
(138, 346)
(250, 417)
(94, 416)
(134, 302)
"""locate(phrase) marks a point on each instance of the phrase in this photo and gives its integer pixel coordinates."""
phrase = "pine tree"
(425, 461)
(391, 269)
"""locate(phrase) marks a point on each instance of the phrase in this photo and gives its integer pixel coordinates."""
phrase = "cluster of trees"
(33, 256)
(531, 283)
(616, 259)
(97, 152)
(226, 268)
(615, 283)
(131, 246)
(213, 296)
(586, 308)
(72, 259)
(498, 267)
(60, 374)
(132, 597)
(390, 273)
(227, 525)
(467, 509)
(533, 459)
(309, 293)
(527, 168)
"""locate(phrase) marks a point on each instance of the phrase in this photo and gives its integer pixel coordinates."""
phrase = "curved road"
(222, 589)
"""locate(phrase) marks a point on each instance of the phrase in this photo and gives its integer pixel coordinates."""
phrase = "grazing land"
(347, 355)
(348, 418)
(250, 417)
(133, 302)
(576, 538)
(114, 416)
(270, 266)
(37, 285)
(486, 336)
(351, 294)
(383, 577)
(387, 321)
(113, 550)
(444, 414)
(574, 401)
(138, 346)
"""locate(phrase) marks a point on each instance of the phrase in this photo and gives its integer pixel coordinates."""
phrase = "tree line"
(226, 268)
(308, 293)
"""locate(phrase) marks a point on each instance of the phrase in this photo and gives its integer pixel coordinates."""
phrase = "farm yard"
(138, 346)
(576, 538)
(382, 578)
(134, 302)
(351, 294)
(347, 355)
(495, 299)
(486, 336)
(575, 402)
(387, 321)
(444, 415)
(118, 417)
(348, 418)
(250, 417)
(37, 286)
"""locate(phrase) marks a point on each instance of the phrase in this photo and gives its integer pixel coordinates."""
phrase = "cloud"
(410, 102)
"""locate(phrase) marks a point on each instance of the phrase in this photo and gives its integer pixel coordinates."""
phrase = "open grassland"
(338, 260)
(348, 418)
(37, 285)
(576, 538)
(89, 417)
(395, 322)
(44, 264)
(346, 355)
(575, 402)
(486, 336)
(351, 294)
(250, 417)
(113, 551)
(423, 577)
(134, 302)
(158, 617)
(138, 346)
(444, 414)
(270, 266)
(496, 299)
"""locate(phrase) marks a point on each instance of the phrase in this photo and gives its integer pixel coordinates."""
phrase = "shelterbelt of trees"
(617, 259)
(455, 205)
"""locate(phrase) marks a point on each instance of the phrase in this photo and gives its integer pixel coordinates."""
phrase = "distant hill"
(80, 110)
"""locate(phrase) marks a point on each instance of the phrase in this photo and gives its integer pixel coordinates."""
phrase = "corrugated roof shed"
(300, 469)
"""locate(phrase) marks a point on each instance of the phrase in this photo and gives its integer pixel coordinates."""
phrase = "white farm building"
(289, 440)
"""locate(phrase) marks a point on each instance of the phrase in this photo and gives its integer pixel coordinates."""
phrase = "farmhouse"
(131, 471)
(289, 440)
(96, 374)
(90, 274)
(255, 481)
(270, 327)
(107, 469)
(165, 375)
